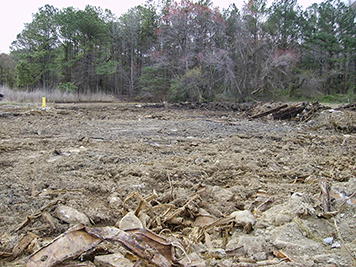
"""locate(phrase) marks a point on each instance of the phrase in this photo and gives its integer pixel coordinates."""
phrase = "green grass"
(335, 99)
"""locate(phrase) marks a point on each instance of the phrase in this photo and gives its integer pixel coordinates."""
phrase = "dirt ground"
(91, 157)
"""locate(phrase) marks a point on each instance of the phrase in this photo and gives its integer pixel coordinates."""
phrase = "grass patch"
(52, 96)
(335, 99)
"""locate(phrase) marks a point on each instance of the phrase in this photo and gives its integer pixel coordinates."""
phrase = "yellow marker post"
(43, 102)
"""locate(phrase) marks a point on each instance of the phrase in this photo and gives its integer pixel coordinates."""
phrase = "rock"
(144, 219)
(199, 247)
(243, 217)
(222, 194)
(71, 215)
(112, 260)
(233, 244)
(129, 221)
(225, 263)
(213, 262)
(218, 253)
(325, 258)
(290, 238)
(281, 219)
(281, 214)
(115, 201)
(213, 210)
(254, 247)
(193, 259)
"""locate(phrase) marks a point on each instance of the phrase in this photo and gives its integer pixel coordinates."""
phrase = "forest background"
(189, 51)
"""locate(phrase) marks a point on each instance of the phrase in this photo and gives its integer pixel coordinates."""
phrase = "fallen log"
(288, 113)
(271, 111)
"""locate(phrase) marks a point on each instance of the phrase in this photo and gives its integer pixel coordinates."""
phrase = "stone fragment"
(71, 215)
(115, 201)
(289, 237)
(129, 221)
(254, 247)
(218, 253)
(112, 260)
(222, 194)
(281, 219)
(199, 247)
(243, 217)
(297, 206)
(225, 263)
(193, 259)
(233, 244)
(324, 258)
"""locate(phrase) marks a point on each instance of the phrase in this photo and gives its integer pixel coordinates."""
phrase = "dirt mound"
(232, 184)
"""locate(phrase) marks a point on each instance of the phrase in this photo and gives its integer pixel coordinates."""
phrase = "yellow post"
(43, 102)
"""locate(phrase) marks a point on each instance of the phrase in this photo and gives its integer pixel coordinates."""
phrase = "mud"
(83, 155)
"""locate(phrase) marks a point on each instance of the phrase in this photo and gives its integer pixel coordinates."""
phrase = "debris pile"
(168, 231)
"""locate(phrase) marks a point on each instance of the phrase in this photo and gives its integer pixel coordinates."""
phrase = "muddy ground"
(92, 156)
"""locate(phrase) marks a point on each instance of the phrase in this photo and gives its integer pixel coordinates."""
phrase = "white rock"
(243, 217)
(130, 221)
(71, 215)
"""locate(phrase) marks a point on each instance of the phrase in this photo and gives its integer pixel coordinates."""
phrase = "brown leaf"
(67, 246)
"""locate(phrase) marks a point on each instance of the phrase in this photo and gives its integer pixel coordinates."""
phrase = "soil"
(84, 155)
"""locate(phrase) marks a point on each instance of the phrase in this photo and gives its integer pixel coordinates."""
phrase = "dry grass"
(17, 96)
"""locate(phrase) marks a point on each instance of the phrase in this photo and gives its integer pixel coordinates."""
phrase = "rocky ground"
(231, 190)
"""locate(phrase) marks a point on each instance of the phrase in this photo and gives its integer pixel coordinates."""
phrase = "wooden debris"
(289, 112)
(271, 111)
(23, 244)
(325, 195)
(301, 111)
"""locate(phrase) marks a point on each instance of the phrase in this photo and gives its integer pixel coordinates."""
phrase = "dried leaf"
(141, 249)
(67, 246)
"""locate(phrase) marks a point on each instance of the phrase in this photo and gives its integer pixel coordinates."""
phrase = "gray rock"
(71, 215)
(324, 258)
(278, 215)
(282, 218)
(290, 238)
(233, 244)
(222, 194)
(254, 247)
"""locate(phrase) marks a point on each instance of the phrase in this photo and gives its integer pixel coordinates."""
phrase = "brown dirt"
(81, 155)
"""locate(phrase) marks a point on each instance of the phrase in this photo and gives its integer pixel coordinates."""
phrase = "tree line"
(188, 51)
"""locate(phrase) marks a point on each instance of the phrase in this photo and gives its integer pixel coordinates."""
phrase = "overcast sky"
(14, 13)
